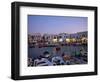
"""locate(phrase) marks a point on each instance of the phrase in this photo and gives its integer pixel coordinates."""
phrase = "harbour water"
(70, 50)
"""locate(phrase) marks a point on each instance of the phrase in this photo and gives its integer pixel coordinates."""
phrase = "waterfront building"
(83, 36)
(80, 37)
(36, 37)
(63, 37)
(30, 39)
(50, 38)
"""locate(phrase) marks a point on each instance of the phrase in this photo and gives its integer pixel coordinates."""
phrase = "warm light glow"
(67, 40)
(54, 40)
(84, 38)
(60, 40)
(73, 39)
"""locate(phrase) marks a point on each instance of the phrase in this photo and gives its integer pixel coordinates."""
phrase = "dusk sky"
(56, 24)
